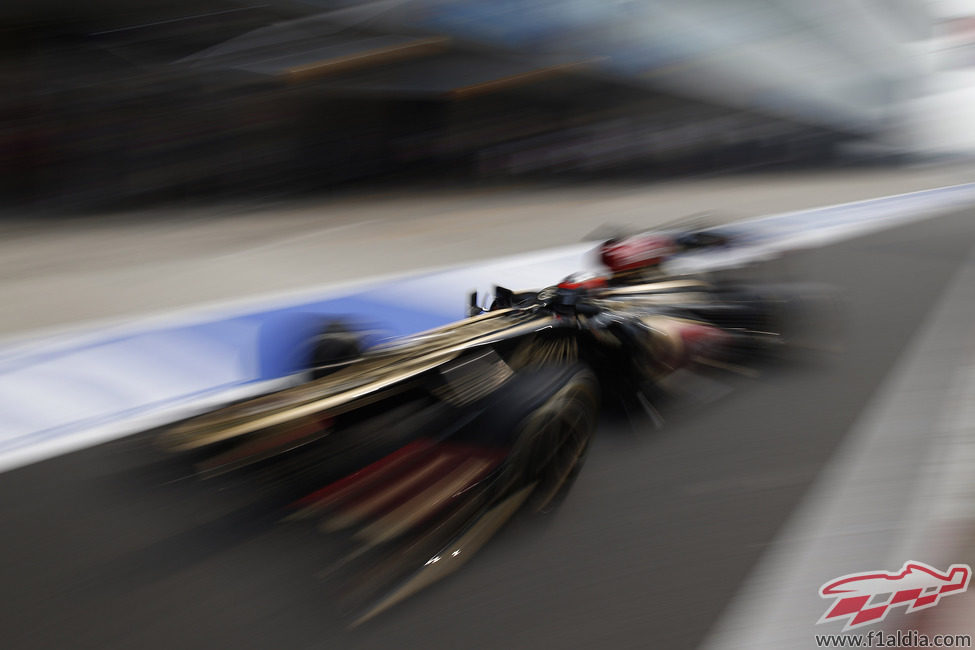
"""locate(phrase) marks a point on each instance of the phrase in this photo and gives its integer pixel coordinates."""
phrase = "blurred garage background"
(113, 101)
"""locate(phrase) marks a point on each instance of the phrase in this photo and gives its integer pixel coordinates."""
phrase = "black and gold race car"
(415, 452)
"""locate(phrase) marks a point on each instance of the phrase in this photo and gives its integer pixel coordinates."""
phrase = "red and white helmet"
(636, 252)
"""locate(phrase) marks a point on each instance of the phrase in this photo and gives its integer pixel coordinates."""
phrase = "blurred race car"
(416, 452)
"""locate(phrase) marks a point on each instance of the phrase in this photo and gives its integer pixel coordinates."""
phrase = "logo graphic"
(865, 598)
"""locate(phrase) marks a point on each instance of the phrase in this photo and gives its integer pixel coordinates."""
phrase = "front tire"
(554, 437)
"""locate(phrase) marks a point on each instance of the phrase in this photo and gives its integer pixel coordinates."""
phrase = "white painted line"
(123, 425)
(871, 506)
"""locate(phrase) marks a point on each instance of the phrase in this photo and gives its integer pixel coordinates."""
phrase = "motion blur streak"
(110, 103)
(240, 402)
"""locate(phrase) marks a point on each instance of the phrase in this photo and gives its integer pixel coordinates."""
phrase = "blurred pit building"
(115, 99)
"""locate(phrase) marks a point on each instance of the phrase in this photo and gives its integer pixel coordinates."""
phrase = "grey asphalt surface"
(71, 271)
(98, 550)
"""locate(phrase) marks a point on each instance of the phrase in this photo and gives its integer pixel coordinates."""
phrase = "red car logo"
(865, 598)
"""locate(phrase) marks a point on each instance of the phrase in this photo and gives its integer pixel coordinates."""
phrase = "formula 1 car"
(415, 452)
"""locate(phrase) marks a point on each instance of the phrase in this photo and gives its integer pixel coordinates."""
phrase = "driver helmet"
(642, 251)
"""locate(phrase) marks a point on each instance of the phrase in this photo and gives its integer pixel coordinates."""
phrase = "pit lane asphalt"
(97, 551)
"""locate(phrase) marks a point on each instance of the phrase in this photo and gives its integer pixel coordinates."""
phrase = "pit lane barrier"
(64, 392)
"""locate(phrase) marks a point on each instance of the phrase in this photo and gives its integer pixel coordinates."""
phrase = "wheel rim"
(555, 438)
